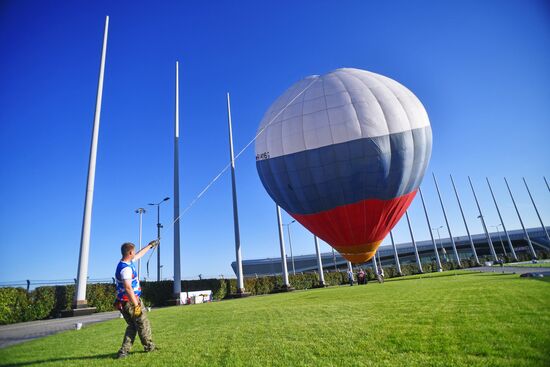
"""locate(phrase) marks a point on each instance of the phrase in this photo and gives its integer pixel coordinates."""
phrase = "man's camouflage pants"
(139, 325)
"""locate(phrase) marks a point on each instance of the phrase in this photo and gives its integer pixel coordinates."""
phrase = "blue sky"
(480, 69)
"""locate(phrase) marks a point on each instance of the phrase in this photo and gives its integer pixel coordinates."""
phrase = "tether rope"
(207, 187)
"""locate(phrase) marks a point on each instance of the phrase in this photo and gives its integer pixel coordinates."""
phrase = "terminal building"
(332, 261)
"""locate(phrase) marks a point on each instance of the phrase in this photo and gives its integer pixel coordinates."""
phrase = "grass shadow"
(66, 359)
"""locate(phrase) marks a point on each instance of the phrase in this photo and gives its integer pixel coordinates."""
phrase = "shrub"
(41, 302)
(156, 293)
(13, 305)
(101, 296)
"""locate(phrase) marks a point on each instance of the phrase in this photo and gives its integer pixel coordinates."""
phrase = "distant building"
(308, 263)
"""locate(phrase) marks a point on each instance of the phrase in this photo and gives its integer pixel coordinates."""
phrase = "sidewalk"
(510, 269)
(24, 331)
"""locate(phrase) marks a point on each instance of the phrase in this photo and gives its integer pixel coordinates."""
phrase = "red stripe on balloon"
(357, 224)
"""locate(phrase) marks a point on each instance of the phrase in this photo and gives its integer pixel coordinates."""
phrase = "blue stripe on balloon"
(315, 180)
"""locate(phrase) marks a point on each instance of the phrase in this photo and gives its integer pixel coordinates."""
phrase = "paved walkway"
(24, 331)
(511, 269)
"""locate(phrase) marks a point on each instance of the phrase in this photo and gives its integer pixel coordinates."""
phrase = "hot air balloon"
(344, 154)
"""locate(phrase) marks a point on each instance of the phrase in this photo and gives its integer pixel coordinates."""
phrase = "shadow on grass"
(66, 359)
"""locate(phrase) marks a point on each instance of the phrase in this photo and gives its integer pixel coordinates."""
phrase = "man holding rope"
(128, 300)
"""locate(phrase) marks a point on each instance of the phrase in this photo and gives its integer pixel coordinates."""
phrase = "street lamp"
(140, 211)
(290, 244)
(500, 238)
(159, 226)
(441, 243)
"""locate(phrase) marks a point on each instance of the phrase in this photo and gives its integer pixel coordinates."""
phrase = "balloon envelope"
(344, 154)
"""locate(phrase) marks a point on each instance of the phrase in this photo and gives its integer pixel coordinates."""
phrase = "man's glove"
(137, 311)
(154, 243)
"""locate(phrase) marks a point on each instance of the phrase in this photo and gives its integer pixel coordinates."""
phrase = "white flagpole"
(240, 281)
(177, 260)
(80, 294)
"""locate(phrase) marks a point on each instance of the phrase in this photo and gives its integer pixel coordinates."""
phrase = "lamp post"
(500, 238)
(140, 211)
(441, 243)
(159, 226)
(290, 244)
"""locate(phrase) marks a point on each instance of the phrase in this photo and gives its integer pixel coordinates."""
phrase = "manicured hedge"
(16, 305)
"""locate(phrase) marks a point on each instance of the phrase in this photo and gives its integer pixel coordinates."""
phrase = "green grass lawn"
(469, 319)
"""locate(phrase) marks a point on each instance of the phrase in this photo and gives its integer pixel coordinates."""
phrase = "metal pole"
(483, 222)
(502, 222)
(334, 260)
(500, 239)
(375, 266)
(140, 211)
(80, 294)
(414, 243)
(350, 269)
(177, 257)
(396, 257)
(240, 281)
(536, 209)
(290, 244)
(443, 251)
(319, 262)
(501, 243)
(282, 246)
(159, 226)
(447, 222)
(533, 253)
(474, 252)
(438, 262)
(548, 187)
(488, 235)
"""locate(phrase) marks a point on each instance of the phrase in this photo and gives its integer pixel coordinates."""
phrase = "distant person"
(128, 300)
(350, 277)
(381, 275)
(361, 278)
